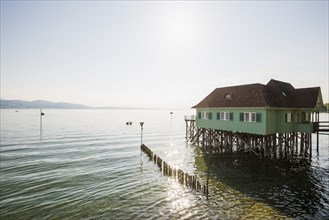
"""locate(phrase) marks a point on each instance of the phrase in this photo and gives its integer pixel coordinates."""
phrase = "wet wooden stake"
(182, 177)
(174, 173)
(41, 114)
(208, 172)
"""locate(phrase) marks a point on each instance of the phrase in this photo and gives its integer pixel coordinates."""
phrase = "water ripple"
(92, 168)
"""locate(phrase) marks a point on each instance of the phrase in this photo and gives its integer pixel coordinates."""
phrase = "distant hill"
(19, 104)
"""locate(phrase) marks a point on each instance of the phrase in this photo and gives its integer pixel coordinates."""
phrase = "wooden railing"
(189, 117)
(322, 126)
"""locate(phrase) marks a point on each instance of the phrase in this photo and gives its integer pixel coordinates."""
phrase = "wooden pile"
(168, 170)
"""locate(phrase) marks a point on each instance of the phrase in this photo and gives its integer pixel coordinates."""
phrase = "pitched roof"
(274, 94)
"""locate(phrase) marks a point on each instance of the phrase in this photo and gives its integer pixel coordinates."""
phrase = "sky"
(158, 54)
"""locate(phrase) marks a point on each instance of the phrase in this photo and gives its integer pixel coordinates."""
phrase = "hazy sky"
(158, 54)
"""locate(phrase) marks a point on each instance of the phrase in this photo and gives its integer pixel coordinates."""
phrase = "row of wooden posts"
(278, 146)
(181, 176)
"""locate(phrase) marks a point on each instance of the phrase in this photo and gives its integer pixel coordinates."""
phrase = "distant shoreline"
(111, 108)
(38, 104)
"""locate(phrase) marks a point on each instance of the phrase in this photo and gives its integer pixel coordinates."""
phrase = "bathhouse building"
(276, 107)
(274, 118)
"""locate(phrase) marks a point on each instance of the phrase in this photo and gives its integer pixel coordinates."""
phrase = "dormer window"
(228, 97)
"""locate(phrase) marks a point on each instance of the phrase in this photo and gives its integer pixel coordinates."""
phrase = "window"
(288, 117)
(206, 115)
(247, 116)
(250, 117)
(298, 117)
(228, 97)
(222, 115)
(225, 116)
(305, 117)
(253, 117)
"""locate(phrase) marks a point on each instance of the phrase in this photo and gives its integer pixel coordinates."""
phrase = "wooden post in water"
(40, 120)
(182, 177)
(317, 142)
(141, 123)
(208, 172)
(310, 145)
(41, 114)
(317, 133)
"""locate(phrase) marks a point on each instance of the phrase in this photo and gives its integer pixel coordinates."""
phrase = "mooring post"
(41, 114)
(40, 120)
(310, 145)
(317, 143)
(317, 133)
(208, 171)
(141, 123)
(186, 128)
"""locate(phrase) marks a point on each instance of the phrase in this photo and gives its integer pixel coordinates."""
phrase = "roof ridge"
(315, 87)
(274, 94)
(243, 85)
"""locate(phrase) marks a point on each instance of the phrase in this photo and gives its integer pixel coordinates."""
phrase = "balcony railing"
(189, 117)
(321, 126)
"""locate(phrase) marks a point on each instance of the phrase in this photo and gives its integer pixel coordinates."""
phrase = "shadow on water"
(294, 188)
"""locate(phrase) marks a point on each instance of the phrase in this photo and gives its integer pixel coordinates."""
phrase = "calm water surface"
(87, 164)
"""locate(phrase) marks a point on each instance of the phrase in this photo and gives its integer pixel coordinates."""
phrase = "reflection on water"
(290, 188)
(295, 188)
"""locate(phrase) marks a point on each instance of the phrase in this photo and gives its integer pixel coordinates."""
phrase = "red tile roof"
(274, 94)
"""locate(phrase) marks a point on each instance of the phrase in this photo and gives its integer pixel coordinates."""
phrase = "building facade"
(276, 107)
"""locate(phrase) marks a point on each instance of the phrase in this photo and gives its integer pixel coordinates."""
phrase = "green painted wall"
(297, 125)
(235, 124)
(272, 121)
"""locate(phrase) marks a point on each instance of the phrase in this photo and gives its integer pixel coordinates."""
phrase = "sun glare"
(180, 203)
(180, 27)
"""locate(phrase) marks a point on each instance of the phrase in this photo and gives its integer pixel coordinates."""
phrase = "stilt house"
(274, 108)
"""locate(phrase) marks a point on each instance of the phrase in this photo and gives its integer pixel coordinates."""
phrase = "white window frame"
(205, 115)
(253, 117)
(222, 116)
(289, 117)
(225, 116)
(249, 116)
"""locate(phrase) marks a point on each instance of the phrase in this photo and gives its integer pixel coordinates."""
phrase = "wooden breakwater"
(182, 177)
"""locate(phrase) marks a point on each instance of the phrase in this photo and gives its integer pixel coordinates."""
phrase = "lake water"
(87, 164)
